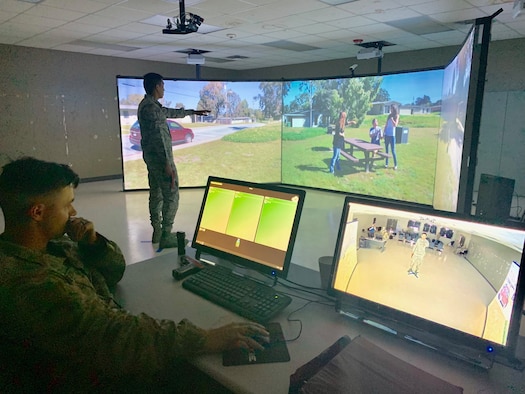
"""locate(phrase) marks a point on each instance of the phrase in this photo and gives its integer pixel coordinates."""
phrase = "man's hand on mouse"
(236, 335)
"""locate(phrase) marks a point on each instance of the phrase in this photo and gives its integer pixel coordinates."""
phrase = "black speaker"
(494, 197)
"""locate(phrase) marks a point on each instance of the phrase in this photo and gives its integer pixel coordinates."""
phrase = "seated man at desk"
(61, 329)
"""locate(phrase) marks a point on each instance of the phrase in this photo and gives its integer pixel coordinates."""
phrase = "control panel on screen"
(249, 222)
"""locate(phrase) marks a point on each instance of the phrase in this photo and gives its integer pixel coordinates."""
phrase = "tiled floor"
(123, 217)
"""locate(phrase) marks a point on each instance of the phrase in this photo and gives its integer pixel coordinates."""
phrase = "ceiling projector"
(369, 53)
(195, 58)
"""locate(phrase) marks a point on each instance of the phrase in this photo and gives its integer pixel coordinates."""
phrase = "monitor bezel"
(420, 330)
(239, 260)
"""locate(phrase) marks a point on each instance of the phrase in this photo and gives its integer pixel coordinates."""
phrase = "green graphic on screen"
(244, 217)
(217, 210)
(276, 222)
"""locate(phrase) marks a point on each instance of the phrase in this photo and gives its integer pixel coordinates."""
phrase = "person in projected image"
(338, 141)
(390, 134)
(62, 331)
(157, 153)
(375, 133)
(418, 252)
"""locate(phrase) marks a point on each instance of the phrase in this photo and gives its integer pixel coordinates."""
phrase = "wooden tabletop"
(363, 145)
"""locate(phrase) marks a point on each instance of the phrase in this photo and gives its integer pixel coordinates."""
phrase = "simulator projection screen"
(282, 132)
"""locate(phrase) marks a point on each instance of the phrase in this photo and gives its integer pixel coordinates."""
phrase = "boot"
(168, 240)
(157, 234)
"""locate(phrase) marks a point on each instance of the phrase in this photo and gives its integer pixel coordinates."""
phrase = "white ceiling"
(267, 32)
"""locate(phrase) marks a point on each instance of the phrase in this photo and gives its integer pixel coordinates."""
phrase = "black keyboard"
(245, 297)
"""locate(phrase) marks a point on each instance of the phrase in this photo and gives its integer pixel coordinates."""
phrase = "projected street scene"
(241, 138)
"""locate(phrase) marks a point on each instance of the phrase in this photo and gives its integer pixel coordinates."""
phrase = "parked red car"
(179, 133)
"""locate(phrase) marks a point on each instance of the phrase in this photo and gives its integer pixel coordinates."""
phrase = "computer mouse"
(262, 340)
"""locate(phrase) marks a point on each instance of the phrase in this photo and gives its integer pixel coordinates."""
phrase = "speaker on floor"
(494, 197)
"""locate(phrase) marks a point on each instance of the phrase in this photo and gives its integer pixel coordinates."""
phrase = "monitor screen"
(249, 224)
(430, 276)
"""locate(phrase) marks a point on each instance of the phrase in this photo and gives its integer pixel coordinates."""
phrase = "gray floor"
(123, 217)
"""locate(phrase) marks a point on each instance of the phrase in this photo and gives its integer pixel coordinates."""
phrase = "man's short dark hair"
(151, 80)
(22, 180)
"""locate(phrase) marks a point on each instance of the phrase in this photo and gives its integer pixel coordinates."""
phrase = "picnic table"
(372, 152)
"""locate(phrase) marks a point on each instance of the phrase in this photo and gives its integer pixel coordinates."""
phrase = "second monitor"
(249, 224)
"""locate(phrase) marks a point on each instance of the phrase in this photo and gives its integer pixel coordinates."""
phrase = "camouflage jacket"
(155, 134)
(59, 322)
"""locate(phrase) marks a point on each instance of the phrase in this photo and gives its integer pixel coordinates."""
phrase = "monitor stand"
(238, 270)
(483, 360)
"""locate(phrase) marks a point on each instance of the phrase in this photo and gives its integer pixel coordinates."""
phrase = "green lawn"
(255, 154)
(306, 163)
(247, 154)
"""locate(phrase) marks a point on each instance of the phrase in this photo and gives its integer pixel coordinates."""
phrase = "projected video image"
(403, 136)
(452, 272)
(451, 136)
(404, 169)
(240, 139)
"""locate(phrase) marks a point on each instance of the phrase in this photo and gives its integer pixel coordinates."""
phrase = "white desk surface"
(150, 288)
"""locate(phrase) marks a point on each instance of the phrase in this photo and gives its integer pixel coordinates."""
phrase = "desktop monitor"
(249, 224)
(460, 293)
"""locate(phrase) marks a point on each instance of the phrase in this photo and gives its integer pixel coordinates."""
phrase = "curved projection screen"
(281, 132)
(452, 131)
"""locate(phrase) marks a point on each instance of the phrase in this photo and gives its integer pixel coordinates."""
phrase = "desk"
(149, 287)
(372, 243)
(367, 148)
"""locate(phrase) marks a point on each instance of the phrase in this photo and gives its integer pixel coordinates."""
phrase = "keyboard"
(245, 297)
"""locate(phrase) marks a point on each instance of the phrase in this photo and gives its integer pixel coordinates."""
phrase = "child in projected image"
(418, 252)
(375, 133)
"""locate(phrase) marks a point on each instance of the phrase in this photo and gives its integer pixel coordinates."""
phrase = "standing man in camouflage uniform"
(61, 329)
(418, 252)
(158, 154)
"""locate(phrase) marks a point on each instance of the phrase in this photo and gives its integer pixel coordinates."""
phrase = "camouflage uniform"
(157, 151)
(418, 252)
(62, 331)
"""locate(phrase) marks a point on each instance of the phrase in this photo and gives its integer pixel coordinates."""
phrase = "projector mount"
(186, 22)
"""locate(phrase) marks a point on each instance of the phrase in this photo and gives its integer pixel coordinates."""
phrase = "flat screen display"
(249, 224)
(423, 272)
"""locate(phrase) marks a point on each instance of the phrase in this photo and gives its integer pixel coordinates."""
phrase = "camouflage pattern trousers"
(163, 199)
